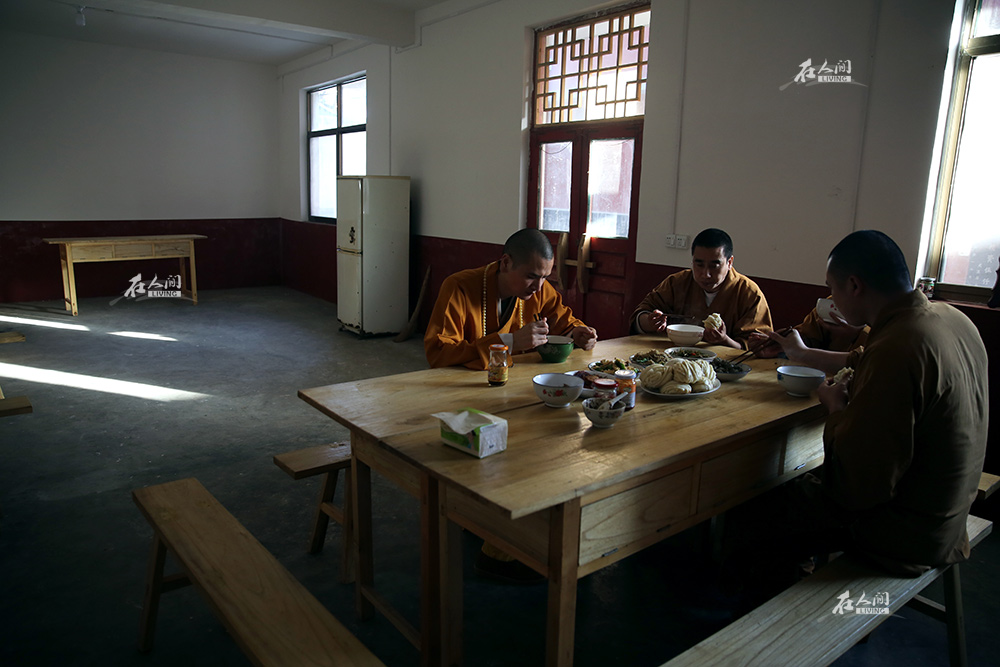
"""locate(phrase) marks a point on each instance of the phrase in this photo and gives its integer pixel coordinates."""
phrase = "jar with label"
(605, 388)
(496, 371)
(626, 384)
(926, 285)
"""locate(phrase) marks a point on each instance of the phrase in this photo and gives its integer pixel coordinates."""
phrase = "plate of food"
(588, 380)
(643, 359)
(727, 371)
(690, 353)
(673, 392)
(679, 378)
(609, 365)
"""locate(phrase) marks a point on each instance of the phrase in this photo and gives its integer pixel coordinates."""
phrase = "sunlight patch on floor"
(136, 389)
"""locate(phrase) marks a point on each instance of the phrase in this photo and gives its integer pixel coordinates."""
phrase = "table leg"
(69, 278)
(441, 579)
(564, 563)
(193, 277)
(364, 567)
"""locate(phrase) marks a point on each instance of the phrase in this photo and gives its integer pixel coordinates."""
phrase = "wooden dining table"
(565, 498)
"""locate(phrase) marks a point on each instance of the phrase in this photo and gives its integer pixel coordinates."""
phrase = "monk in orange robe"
(497, 303)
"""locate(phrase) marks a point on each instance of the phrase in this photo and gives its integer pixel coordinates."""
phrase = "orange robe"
(455, 332)
(814, 334)
(739, 302)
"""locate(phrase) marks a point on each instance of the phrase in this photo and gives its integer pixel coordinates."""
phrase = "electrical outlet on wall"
(681, 242)
(671, 240)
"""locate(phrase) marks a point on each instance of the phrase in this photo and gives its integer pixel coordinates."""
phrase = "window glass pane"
(355, 100)
(988, 20)
(592, 71)
(323, 109)
(972, 238)
(323, 176)
(355, 158)
(609, 187)
(555, 178)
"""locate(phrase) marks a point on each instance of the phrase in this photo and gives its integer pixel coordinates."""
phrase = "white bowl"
(685, 334)
(602, 418)
(799, 380)
(557, 389)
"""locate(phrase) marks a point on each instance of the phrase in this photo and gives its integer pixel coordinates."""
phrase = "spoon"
(607, 405)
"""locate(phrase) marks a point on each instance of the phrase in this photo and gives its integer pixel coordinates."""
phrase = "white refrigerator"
(373, 253)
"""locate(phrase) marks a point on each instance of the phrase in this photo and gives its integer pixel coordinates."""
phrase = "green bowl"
(556, 350)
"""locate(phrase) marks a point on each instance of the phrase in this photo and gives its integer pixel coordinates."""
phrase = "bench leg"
(955, 617)
(347, 533)
(154, 588)
(322, 520)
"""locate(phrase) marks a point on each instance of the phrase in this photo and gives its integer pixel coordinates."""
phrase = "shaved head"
(523, 245)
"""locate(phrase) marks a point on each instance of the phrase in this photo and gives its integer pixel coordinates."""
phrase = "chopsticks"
(753, 350)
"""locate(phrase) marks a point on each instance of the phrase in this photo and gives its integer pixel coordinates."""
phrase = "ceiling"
(270, 32)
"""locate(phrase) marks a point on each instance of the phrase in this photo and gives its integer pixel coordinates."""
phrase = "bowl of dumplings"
(679, 378)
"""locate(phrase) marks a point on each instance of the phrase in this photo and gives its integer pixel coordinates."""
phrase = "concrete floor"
(73, 546)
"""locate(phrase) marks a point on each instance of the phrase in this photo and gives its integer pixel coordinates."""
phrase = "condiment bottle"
(626, 384)
(496, 371)
(605, 388)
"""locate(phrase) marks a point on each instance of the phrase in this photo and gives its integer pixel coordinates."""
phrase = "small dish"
(690, 353)
(602, 418)
(730, 375)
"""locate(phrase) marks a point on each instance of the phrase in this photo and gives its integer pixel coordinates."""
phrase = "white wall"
(787, 172)
(95, 132)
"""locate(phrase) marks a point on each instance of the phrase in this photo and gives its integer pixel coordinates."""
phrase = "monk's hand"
(842, 334)
(791, 344)
(584, 337)
(531, 335)
(833, 395)
(762, 346)
(653, 322)
(719, 337)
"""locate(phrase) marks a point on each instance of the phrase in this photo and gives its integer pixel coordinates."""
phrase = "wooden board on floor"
(11, 337)
(15, 405)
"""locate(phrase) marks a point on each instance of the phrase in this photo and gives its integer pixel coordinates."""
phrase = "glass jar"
(626, 384)
(605, 388)
(496, 371)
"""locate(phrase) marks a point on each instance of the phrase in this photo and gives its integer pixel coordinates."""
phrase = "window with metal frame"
(964, 249)
(336, 142)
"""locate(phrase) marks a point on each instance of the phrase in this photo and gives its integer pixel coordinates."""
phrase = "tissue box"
(473, 431)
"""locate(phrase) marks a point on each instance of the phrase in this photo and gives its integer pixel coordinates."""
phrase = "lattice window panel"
(594, 70)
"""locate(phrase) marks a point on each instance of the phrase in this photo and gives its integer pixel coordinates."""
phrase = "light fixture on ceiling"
(81, 19)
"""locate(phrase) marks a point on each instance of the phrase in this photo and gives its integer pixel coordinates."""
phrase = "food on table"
(723, 366)
(649, 357)
(688, 353)
(609, 365)
(713, 322)
(845, 373)
(589, 377)
(680, 376)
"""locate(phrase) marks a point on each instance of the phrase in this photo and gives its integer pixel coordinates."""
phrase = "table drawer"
(629, 516)
(805, 445)
(93, 253)
(173, 249)
(739, 472)
(134, 251)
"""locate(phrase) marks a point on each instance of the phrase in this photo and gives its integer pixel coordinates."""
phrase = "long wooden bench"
(268, 613)
(327, 460)
(987, 485)
(15, 405)
(800, 626)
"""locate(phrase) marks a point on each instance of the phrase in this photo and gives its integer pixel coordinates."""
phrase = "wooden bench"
(15, 405)
(270, 615)
(800, 627)
(326, 460)
(987, 485)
